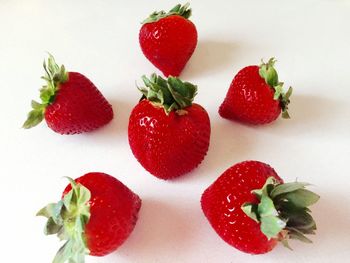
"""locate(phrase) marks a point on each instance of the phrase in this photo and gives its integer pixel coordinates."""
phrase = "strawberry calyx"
(283, 211)
(67, 219)
(171, 94)
(180, 10)
(55, 75)
(269, 74)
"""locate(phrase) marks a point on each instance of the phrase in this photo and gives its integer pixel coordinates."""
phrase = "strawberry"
(251, 208)
(70, 102)
(168, 40)
(95, 216)
(256, 96)
(168, 134)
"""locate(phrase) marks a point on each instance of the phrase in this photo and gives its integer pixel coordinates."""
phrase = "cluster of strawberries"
(249, 205)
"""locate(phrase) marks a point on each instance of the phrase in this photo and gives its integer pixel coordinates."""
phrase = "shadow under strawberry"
(309, 114)
(163, 231)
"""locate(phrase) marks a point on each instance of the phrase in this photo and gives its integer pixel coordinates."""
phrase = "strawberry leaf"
(271, 226)
(54, 76)
(282, 210)
(286, 188)
(269, 74)
(68, 218)
(251, 211)
(180, 10)
(301, 198)
(171, 94)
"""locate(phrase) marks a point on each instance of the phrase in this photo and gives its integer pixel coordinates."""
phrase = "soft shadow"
(161, 230)
(309, 114)
(210, 56)
(230, 142)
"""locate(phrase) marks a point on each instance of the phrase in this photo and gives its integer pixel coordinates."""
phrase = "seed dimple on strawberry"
(168, 134)
(251, 208)
(71, 103)
(256, 96)
(168, 40)
(95, 216)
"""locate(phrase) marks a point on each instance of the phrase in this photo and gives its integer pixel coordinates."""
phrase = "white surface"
(311, 41)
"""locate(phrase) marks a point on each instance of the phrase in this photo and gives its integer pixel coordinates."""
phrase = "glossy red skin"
(78, 107)
(171, 145)
(169, 43)
(250, 99)
(221, 203)
(114, 211)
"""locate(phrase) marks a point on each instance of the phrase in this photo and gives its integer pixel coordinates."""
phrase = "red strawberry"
(251, 208)
(168, 40)
(256, 96)
(70, 102)
(95, 216)
(168, 134)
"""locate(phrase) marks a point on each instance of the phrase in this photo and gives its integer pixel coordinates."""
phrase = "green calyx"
(283, 211)
(54, 76)
(171, 93)
(269, 74)
(67, 219)
(181, 10)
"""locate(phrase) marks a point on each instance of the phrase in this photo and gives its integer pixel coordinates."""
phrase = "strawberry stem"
(180, 10)
(269, 74)
(171, 93)
(283, 211)
(54, 76)
(67, 219)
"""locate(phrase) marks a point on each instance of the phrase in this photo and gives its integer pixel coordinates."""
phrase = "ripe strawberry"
(70, 102)
(168, 134)
(168, 40)
(256, 96)
(251, 208)
(95, 216)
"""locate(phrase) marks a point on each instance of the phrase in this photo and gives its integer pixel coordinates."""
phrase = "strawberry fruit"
(95, 216)
(168, 134)
(251, 208)
(70, 102)
(168, 40)
(256, 96)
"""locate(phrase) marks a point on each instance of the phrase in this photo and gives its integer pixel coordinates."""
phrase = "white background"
(311, 41)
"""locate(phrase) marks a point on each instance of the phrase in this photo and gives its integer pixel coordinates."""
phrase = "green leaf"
(295, 234)
(51, 227)
(47, 211)
(285, 243)
(269, 74)
(53, 77)
(183, 11)
(35, 116)
(251, 211)
(67, 200)
(285, 115)
(265, 190)
(289, 93)
(302, 197)
(286, 188)
(68, 218)
(64, 253)
(171, 94)
(266, 207)
(56, 216)
(37, 105)
(302, 221)
(271, 226)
